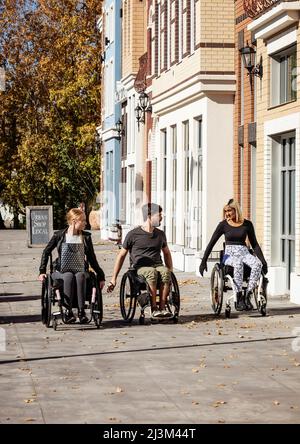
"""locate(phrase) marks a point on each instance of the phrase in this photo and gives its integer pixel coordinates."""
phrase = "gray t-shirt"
(144, 247)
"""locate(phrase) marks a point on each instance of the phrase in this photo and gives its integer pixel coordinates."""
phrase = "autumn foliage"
(50, 50)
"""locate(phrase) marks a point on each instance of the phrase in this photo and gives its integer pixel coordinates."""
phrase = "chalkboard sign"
(39, 223)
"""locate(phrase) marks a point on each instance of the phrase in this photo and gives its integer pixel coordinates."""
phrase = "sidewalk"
(202, 370)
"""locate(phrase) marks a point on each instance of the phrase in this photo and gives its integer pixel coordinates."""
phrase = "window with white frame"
(174, 181)
(109, 88)
(253, 183)
(241, 148)
(159, 38)
(193, 25)
(283, 76)
(180, 26)
(199, 176)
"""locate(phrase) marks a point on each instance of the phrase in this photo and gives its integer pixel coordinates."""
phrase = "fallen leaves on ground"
(29, 401)
(218, 403)
(276, 402)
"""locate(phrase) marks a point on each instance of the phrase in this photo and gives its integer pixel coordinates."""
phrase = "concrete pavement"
(202, 370)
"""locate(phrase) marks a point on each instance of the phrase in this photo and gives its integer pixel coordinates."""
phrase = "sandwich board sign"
(39, 223)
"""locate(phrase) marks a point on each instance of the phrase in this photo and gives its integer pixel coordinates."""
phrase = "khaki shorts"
(151, 274)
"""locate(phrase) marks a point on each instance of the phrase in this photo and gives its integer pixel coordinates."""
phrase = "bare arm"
(168, 258)
(117, 267)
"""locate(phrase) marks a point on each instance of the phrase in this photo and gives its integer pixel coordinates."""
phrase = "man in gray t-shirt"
(145, 244)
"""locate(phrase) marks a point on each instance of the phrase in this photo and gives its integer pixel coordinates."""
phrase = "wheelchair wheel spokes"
(173, 303)
(97, 309)
(44, 306)
(127, 298)
(216, 289)
(260, 296)
(48, 302)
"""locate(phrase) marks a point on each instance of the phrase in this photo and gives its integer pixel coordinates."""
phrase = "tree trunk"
(2, 226)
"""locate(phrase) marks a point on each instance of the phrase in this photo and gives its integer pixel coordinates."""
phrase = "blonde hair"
(72, 214)
(236, 207)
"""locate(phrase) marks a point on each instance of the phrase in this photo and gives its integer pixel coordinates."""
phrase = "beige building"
(277, 33)
(134, 41)
(191, 139)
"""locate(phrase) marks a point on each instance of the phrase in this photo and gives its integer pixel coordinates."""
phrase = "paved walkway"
(202, 370)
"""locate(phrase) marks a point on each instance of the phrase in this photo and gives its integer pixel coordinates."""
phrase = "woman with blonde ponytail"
(75, 255)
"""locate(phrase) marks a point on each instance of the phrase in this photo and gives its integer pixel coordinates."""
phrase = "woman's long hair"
(235, 206)
(72, 214)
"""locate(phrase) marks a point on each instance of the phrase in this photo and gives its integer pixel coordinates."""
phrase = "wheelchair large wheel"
(216, 289)
(127, 298)
(46, 301)
(173, 302)
(98, 308)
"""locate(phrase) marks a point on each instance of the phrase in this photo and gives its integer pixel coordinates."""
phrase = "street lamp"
(119, 128)
(144, 106)
(248, 54)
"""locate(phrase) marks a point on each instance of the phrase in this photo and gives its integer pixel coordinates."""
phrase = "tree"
(48, 113)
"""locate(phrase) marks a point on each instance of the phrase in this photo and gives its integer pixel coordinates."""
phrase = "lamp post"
(144, 106)
(119, 128)
(248, 54)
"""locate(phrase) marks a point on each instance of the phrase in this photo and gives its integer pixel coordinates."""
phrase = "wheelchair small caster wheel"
(175, 319)
(227, 312)
(142, 320)
(54, 323)
(263, 310)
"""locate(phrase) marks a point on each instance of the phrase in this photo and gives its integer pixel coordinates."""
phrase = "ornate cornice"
(256, 7)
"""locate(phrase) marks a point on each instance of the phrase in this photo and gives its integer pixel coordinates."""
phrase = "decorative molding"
(255, 7)
(140, 82)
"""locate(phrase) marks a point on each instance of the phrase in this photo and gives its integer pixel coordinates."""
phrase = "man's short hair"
(150, 209)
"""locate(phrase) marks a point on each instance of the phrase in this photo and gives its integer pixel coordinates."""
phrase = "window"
(283, 76)
(174, 181)
(253, 183)
(164, 172)
(198, 209)
(123, 195)
(187, 184)
(241, 148)
(242, 104)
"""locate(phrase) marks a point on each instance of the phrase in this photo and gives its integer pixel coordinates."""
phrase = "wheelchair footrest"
(57, 313)
(96, 311)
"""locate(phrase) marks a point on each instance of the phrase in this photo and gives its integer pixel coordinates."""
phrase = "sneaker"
(166, 314)
(156, 314)
(69, 317)
(82, 317)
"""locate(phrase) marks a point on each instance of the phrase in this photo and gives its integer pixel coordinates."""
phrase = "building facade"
(191, 139)
(275, 27)
(132, 140)
(111, 113)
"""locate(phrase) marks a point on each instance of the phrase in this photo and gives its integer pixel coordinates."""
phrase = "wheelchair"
(134, 290)
(221, 281)
(54, 308)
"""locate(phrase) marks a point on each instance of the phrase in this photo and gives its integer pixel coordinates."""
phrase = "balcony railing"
(255, 8)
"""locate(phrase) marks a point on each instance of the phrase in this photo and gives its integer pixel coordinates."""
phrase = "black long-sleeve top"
(56, 241)
(235, 236)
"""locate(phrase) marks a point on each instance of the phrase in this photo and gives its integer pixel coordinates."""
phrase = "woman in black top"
(75, 254)
(236, 230)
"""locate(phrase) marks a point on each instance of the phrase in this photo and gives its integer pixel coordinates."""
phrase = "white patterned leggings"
(237, 256)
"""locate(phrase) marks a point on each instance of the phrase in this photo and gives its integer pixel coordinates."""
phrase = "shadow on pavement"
(19, 319)
(149, 349)
(10, 297)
